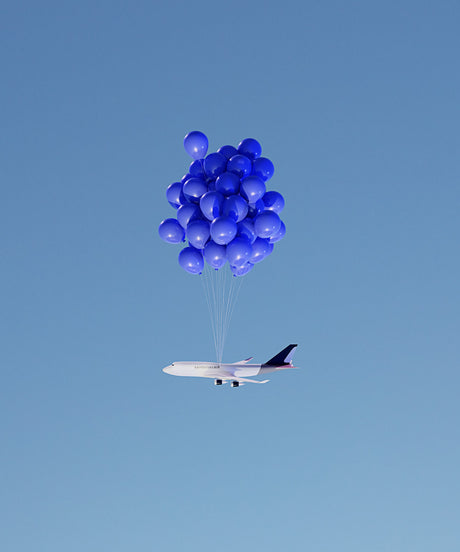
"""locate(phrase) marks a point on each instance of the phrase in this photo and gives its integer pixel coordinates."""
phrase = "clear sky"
(357, 104)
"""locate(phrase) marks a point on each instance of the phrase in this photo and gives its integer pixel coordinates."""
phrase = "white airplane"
(237, 372)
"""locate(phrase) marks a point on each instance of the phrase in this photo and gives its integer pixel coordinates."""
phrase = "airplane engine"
(235, 383)
(218, 382)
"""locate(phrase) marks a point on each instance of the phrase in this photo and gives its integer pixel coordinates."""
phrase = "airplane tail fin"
(282, 358)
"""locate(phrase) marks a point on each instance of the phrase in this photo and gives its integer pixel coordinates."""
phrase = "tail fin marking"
(282, 358)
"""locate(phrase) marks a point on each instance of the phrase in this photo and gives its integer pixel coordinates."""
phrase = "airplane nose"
(169, 369)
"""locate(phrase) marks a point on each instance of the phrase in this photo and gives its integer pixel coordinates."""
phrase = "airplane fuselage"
(238, 372)
(214, 370)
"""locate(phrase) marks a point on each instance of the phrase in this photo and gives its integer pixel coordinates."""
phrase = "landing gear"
(233, 384)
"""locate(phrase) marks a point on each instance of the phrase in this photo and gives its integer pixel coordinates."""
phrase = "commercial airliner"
(237, 373)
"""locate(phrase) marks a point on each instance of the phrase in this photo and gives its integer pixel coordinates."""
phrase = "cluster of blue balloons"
(223, 207)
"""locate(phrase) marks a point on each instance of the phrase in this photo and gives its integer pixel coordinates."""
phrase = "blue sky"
(357, 105)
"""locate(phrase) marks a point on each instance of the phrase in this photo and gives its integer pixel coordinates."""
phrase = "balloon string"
(205, 284)
(216, 288)
(229, 299)
(222, 303)
(235, 286)
(221, 292)
(219, 315)
(238, 285)
(208, 286)
(215, 280)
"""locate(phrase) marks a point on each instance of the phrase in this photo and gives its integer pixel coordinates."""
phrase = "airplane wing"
(243, 361)
(245, 380)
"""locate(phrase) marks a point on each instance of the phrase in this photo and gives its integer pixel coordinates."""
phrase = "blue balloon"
(273, 201)
(211, 205)
(235, 207)
(245, 229)
(223, 230)
(194, 188)
(239, 251)
(263, 167)
(240, 165)
(196, 144)
(174, 195)
(187, 213)
(250, 147)
(228, 151)
(215, 164)
(171, 231)
(256, 208)
(191, 260)
(196, 168)
(223, 207)
(228, 183)
(267, 224)
(241, 270)
(198, 233)
(279, 235)
(215, 255)
(252, 188)
(260, 249)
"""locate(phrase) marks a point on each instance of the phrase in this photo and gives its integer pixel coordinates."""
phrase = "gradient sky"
(357, 104)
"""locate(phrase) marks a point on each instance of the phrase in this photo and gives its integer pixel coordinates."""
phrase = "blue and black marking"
(282, 358)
